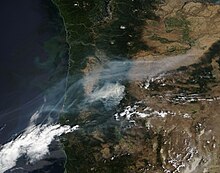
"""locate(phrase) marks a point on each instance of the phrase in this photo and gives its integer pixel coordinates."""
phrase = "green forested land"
(110, 26)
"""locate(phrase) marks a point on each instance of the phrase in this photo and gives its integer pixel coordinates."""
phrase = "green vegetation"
(162, 40)
(153, 23)
(172, 22)
(114, 28)
(181, 23)
(109, 26)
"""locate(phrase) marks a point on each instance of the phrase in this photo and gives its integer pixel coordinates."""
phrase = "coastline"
(188, 80)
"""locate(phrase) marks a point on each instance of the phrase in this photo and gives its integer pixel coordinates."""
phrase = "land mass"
(169, 123)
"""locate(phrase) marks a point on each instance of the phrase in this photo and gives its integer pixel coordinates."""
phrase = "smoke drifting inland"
(105, 90)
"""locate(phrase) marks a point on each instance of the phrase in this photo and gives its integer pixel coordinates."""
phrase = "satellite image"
(110, 86)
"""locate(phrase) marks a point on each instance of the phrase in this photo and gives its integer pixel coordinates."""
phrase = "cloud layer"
(33, 143)
(101, 85)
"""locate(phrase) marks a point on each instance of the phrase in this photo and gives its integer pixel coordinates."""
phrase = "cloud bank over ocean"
(33, 144)
(105, 86)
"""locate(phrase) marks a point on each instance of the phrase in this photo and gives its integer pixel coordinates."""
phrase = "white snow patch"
(130, 111)
(160, 113)
(122, 27)
(142, 115)
(147, 84)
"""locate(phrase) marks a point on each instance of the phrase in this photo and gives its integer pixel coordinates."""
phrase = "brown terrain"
(190, 129)
(173, 122)
(183, 26)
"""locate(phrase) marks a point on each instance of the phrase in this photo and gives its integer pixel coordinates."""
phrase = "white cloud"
(34, 143)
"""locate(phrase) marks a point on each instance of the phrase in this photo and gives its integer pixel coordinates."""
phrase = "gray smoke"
(105, 83)
(103, 86)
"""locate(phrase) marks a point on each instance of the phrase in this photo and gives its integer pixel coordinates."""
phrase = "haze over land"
(141, 92)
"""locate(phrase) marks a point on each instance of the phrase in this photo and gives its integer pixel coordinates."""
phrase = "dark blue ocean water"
(25, 26)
